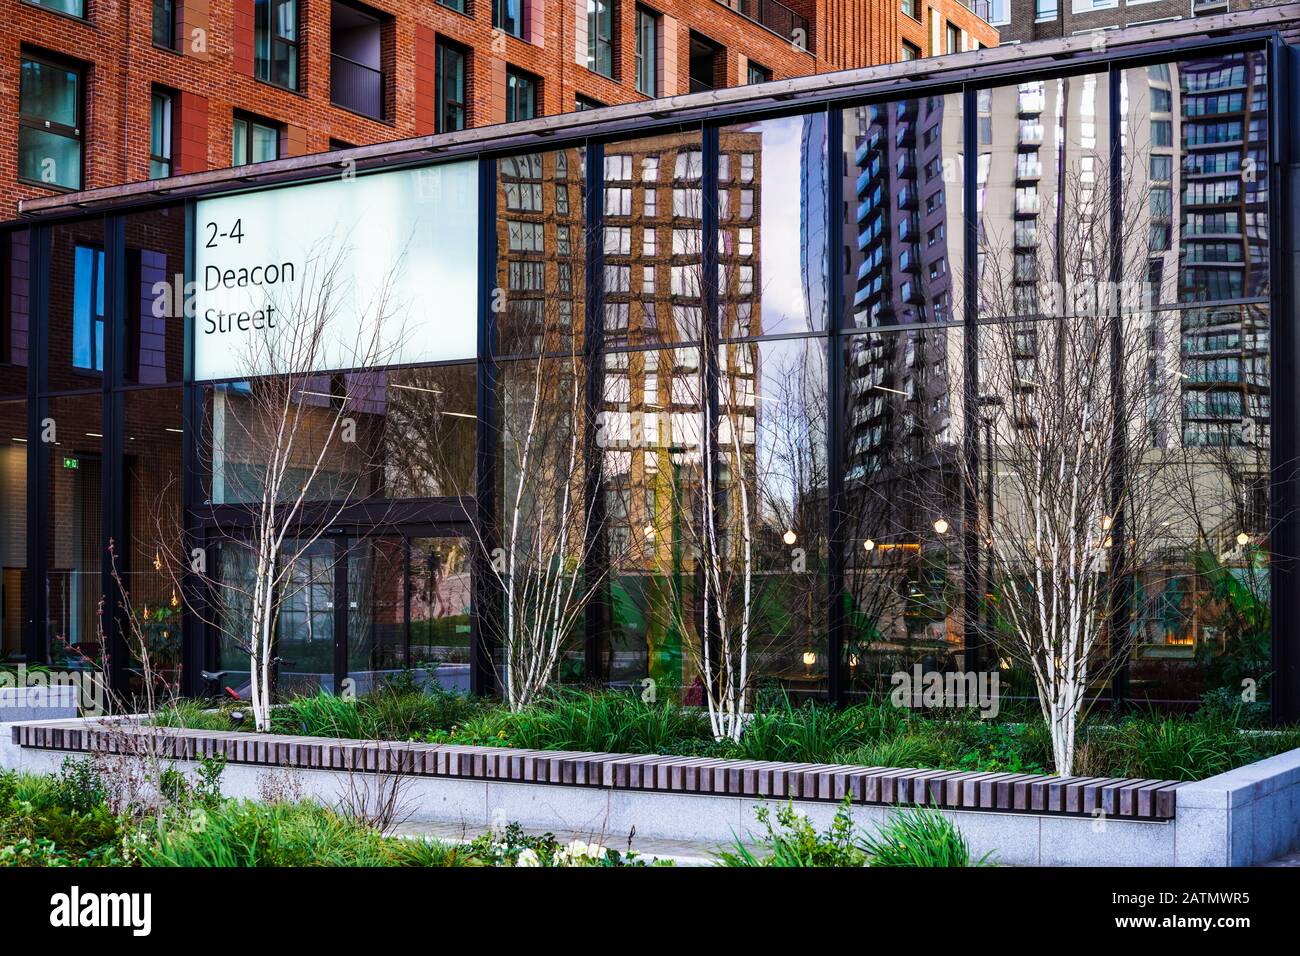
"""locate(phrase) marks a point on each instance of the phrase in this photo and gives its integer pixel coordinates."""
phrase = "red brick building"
(105, 91)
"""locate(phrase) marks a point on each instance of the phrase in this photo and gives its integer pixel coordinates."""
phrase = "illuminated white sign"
(384, 266)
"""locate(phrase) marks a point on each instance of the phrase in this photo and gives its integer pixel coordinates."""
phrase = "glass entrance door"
(357, 610)
(306, 626)
(408, 610)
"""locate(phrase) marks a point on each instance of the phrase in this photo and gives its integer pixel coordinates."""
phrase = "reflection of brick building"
(141, 95)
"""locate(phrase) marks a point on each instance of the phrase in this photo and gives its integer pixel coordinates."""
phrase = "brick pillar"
(742, 70)
(295, 141)
(666, 64)
(195, 18)
(535, 22)
(426, 80)
(191, 147)
(580, 32)
(243, 38)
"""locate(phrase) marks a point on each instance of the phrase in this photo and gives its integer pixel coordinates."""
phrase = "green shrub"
(919, 837)
(195, 715)
(792, 840)
(811, 733)
(242, 833)
(906, 751)
(1171, 747)
(319, 715)
(8, 788)
(78, 786)
(397, 713)
(994, 747)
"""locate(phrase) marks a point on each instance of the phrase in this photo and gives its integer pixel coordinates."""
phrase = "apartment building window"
(457, 5)
(450, 67)
(600, 37)
(758, 73)
(954, 39)
(581, 103)
(1046, 9)
(647, 44)
(275, 42)
(357, 54)
(160, 134)
(88, 308)
(912, 9)
(508, 15)
(254, 141)
(73, 8)
(49, 123)
(911, 51)
(164, 23)
(521, 95)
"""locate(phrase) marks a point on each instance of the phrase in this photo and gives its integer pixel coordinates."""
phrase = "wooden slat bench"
(1153, 800)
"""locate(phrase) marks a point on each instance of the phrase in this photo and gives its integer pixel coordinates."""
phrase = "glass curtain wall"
(902, 355)
(72, 439)
(1195, 140)
(703, 410)
(15, 339)
(541, 534)
(651, 401)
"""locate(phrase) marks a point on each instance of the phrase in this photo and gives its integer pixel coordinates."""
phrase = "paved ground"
(1291, 859)
(679, 852)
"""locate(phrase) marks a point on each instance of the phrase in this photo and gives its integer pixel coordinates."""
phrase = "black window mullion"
(710, 327)
(35, 646)
(485, 626)
(973, 640)
(1119, 623)
(113, 530)
(835, 501)
(599, 628)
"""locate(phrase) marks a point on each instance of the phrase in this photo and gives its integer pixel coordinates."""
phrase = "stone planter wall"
(1248, 816)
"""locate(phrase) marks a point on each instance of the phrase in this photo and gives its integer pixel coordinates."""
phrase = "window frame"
(517, 76)
(31, 121)
(647, 26)
(598, 44)
(441, 47)
(83, 16)
(263, 66)
(499, 9)
(168, 140)
(98, 320)
(172, 33)
(252, 120)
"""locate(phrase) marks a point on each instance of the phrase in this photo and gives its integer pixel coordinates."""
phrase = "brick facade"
(212, 74)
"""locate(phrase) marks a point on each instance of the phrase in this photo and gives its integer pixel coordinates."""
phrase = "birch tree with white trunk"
(1073, 393)
(291, 448)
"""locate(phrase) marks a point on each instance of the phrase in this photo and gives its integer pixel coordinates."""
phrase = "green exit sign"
(72, 463)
